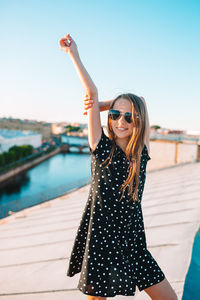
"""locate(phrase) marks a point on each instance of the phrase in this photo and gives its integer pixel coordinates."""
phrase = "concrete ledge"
(36, 242)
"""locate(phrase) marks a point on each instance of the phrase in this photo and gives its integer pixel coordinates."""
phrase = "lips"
(121, 128)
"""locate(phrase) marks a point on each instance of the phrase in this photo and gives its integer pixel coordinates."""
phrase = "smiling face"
(121, 128)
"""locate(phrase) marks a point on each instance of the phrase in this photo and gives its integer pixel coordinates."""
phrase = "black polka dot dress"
(110, 247)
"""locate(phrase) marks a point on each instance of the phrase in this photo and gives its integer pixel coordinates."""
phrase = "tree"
(70, 128)
(155, 127)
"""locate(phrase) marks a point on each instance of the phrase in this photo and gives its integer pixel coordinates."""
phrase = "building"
(56, 128)
(9, 138)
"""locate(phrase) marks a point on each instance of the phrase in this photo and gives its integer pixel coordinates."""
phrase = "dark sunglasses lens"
(114, 114)
(128, 118)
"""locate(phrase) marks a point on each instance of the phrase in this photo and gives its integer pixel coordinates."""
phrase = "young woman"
(110, 247)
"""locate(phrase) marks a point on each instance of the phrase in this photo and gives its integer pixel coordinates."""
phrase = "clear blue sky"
(150, 48)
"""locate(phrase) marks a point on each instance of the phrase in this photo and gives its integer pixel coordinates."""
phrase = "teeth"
(122, 129)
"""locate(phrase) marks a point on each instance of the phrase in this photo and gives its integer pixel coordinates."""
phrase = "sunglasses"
(115, 115)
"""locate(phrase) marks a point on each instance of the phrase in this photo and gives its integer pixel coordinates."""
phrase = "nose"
(122, 120)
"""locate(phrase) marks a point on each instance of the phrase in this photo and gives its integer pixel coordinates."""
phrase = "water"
(192, 282)
(51, 178)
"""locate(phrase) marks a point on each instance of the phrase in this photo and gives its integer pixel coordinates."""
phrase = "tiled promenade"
(36, 243)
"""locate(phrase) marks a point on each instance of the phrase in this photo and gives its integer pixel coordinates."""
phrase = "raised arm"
(68, 45)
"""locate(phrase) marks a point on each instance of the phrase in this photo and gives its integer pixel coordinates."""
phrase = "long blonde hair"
(136, 143)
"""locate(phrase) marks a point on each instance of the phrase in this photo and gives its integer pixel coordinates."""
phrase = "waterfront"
(51, 178)
(64, 172)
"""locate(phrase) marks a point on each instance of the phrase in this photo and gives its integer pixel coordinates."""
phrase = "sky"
(148, 48)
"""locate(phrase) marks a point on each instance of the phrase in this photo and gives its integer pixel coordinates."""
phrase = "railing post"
(198, 152)
(176, 153)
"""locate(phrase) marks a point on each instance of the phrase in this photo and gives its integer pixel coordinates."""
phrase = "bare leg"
(96, 298)
(161, 291)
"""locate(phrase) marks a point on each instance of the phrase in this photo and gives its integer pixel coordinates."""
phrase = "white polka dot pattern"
(110, 247)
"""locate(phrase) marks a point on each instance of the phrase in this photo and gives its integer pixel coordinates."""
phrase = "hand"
(68, 45)
(88, 103)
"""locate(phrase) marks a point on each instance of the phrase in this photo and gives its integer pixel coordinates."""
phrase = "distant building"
(162, 130)
(83, 125)
(193, 132)
(84, 132)
(76, 124)
(57, 128)
(60, 128)
(9, 138)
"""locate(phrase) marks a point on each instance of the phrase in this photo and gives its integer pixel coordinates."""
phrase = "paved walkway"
(36, 242)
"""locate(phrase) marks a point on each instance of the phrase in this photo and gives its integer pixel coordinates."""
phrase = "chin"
(124, 134)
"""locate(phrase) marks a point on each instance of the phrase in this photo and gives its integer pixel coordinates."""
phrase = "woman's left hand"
(88, 103)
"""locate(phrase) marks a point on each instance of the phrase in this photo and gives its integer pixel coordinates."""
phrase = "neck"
(122, 143)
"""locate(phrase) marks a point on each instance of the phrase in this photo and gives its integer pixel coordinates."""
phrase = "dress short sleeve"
(103, 147)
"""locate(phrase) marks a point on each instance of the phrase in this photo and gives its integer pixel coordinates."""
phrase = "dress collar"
(119, 151)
